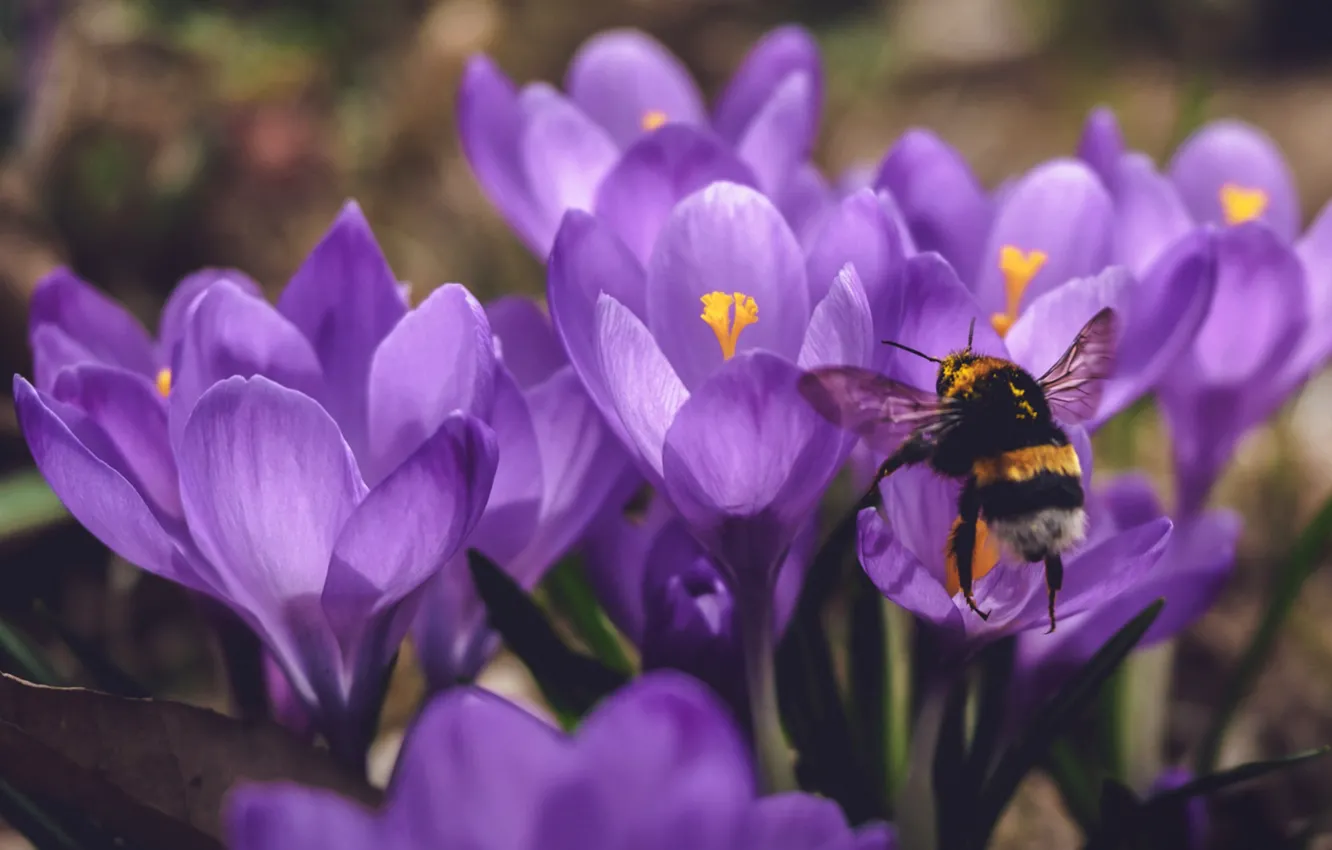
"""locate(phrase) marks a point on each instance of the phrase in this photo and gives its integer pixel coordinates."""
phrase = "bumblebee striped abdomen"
(1032, 498)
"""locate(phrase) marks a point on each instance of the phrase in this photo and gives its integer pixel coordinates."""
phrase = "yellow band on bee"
(1025, 464)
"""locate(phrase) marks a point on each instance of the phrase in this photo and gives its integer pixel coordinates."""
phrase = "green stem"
(1143, 714)
(896, 698)
(774, 756)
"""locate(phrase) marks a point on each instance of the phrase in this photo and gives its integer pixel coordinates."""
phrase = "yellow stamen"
(1240, 204)
(1018, 267)
(717, 313)
(984, 557)
(652, 119)
(164, 382)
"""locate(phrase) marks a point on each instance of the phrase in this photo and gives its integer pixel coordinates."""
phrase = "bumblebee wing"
(878, 409)
(1073, 385)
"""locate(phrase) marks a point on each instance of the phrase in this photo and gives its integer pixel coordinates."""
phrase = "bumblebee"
(996, 428)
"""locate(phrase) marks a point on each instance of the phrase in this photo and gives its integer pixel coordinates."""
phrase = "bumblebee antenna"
(971, 332)
(912, 351)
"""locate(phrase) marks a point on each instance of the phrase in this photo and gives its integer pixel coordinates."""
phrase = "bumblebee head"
(951, 367)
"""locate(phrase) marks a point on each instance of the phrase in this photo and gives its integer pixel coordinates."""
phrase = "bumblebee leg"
(1054, 580)
(914, 450)
(963, 542)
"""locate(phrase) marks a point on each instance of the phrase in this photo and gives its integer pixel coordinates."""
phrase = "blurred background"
(142, 139)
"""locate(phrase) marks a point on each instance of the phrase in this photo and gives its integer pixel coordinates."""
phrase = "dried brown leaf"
(152, 772)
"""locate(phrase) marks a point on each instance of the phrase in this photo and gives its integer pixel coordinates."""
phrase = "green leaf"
(571, 595)
(1303, 560)
(27, 504)
(1053, 719)
(815, 719)
(1077, 784)
(571, 682)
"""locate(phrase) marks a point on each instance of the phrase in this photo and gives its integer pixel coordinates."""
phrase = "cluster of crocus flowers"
(322, 466)
(294, 462)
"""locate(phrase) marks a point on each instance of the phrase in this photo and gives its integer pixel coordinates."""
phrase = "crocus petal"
(566, 155)
(900, 576)
(515, 499)
(858, 231)
(490, 125)
(938, 312)
(176, 311)
(267, 483)
(487, 759)
(797, 822)
(644, 390)
(1161, 318)
(233, 333)
(101, 498)
(945, 206)
(449, 633)
(1236, 154)
(276, 816)
(589, 260)
(53, 351)
(805, 200)
(616, 550)
(1102, 146)
(581, 464)
(1059, 208)
(438, 359)
(98, 323)
(653, 176)
(746, 447)
(777, 56)
(1149, 214)
(128, 410)
(1258, 310)
(431, 502)
(781, 135)
(666, 731)
(841, 331)
(730, 239)
(345, 299)
(527, 342)
(1315, 252)
(620, 77)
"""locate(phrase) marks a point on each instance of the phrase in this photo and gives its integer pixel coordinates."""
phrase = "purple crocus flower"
(708, 403)
(1197, 561)
(631, 134)
(902, 546)
(306, 471)
(71, 323)
(1265, 333)
(657, 765)
(1051, 227)
(664, 593)
(559, 464)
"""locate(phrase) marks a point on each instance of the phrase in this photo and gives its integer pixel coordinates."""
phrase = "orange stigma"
(717, 313)
(652, 119)
(1240, 204)
(164, 382)
(1018, 267)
